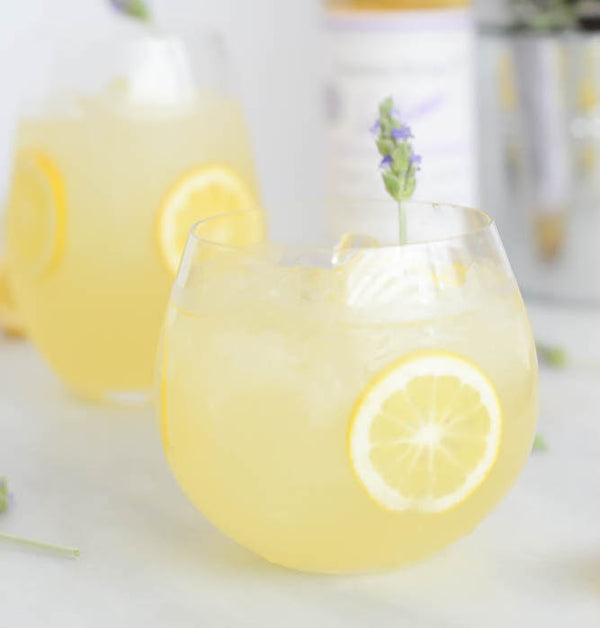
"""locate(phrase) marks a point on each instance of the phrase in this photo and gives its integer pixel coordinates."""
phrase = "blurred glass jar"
(540, 155)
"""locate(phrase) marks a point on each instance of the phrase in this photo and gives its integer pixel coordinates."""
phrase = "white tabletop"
(96, 478)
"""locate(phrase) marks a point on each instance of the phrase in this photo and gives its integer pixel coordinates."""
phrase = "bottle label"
(424, 59)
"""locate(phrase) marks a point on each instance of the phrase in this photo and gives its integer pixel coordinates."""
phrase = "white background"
(276, 49)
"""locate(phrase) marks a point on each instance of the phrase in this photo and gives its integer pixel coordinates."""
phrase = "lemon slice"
(204, 192)
(37, 216)
(425, 433)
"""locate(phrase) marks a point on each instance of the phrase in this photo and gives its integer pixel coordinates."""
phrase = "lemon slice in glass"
(204, 192)
(37, 216)
(425, 433)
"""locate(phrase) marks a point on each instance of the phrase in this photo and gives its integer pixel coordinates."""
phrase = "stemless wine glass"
(348, 408)
(131, 143)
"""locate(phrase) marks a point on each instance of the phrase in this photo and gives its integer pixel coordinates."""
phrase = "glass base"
(118, 398)
(127, 398)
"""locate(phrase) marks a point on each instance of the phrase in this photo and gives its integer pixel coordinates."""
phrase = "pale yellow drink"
(86, 245)
(262, 372)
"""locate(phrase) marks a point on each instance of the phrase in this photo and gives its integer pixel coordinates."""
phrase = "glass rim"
(134, 32)
(487, 223)
(199, 58)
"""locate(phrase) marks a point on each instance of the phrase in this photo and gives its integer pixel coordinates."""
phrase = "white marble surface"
(96, 478)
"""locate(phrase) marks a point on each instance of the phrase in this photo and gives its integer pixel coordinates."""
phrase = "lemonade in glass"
(348, 408)
(107, 180)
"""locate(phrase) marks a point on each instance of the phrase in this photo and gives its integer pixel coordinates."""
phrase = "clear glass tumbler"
(348, 408)
(129, 144)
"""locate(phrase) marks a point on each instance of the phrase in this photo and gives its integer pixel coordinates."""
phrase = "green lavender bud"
(132, 8)
(3, 495)
(399, 163)
(554, 357)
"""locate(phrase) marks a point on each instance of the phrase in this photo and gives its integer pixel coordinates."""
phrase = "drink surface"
(260, 374)
(95, 312)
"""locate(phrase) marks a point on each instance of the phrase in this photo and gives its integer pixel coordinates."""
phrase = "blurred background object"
(277, 54)
(421, 52)
(539, 75)
(538, 89)
(123, 145)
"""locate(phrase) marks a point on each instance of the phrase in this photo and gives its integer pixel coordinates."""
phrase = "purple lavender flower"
(5, 497)
(375, 128)
(402, 134)
(386, 162)
(399, 164)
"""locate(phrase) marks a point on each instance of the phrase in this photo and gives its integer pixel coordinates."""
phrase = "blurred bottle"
(584, 101)
(527, 123)
(420, 52)
(540, 65)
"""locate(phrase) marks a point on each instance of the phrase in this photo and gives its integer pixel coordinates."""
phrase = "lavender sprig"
(18, 540)
(132, 8)
(399, 163)
(70, 552)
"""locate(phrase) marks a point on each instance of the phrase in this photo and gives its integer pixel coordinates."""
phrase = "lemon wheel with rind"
(37, 214)
(206, 191)
(425, 433)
